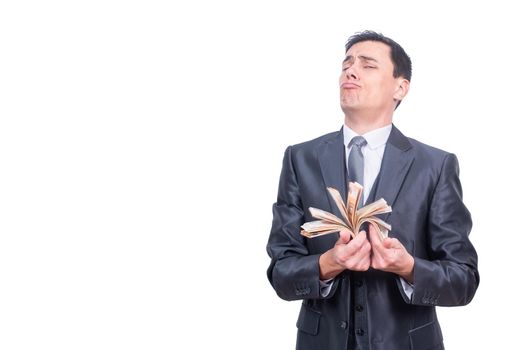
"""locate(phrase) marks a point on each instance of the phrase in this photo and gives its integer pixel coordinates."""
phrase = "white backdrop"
(141, 144)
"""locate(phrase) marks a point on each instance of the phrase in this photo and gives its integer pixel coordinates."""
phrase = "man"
(368, 292)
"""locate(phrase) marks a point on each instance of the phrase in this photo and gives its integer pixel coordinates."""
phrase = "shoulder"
(318, 140)
(305, 155)
(431, 156)
(426, 156)
(425, 149)
(308, 151)
(312, 145)
(421, 151)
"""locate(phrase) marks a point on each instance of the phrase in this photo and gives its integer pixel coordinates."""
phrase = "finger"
(377, 247)
(344, 237)
(377, 255)
(360, 239)
(373, 235)
(356, 247)
(364, 264)
(390, 243)
(377, 264)
(364, 251)
(361, 256)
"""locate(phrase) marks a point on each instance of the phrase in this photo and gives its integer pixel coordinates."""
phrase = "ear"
(401, 90)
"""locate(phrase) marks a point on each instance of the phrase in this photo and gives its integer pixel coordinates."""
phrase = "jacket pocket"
(308, 320)
(426, 337)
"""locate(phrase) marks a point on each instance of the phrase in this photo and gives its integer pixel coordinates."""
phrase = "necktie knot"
(358, 141)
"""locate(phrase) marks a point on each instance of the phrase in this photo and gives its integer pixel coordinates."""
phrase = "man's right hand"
(351, 254)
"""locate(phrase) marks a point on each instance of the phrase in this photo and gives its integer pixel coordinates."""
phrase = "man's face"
(366, 82)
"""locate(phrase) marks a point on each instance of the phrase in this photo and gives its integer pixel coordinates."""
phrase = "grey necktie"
(356, 161)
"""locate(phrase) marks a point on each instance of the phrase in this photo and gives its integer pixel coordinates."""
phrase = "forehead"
(375, 49)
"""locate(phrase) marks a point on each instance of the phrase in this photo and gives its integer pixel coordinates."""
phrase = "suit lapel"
(396, 163)
(332, 162)
(331, 156)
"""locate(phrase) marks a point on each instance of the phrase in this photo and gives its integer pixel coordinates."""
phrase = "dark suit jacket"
(422, 185)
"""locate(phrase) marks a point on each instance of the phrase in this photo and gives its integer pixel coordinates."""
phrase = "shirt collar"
(375, 138)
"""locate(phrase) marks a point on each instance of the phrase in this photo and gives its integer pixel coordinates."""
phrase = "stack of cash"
(352, 218)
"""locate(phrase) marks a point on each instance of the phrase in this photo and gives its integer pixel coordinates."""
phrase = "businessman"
(370, 292)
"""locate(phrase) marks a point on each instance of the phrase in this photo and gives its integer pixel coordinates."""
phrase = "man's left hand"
(388, 254)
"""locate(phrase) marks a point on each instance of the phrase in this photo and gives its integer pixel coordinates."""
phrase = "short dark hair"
(401, 60)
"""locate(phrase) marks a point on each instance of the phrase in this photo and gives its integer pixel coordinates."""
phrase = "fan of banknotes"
(352, 218)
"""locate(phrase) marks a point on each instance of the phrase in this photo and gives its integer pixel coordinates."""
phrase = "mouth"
(347, 85)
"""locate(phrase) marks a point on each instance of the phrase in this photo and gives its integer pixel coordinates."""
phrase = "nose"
(351, 73)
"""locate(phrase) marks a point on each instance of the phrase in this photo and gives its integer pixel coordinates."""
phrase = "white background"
(141, 144)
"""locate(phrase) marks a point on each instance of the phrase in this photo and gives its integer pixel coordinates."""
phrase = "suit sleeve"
(293, 272)
(449, 277)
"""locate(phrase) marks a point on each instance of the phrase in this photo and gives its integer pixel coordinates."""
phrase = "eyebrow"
(362, 57)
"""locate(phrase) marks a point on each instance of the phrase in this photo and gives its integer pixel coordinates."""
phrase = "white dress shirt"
(373, 151)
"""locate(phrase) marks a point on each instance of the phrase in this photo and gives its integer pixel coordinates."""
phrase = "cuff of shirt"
(407, 287)
(325, 287)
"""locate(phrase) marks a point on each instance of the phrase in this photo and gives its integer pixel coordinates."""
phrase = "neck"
(364, 124)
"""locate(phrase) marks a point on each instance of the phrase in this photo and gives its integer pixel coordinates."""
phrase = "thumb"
(344, 237)
(374, 235)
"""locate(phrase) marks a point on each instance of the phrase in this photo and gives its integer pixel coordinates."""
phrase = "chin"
(348, 106)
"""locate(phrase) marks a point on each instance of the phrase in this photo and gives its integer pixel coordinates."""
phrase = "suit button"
(343, 324)
(359, 283)
(360, 331)
(359, 308)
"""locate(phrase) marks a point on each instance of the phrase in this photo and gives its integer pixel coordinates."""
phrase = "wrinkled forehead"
(375, 49)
